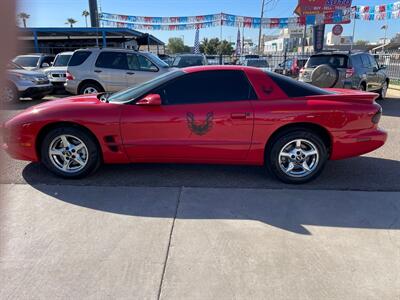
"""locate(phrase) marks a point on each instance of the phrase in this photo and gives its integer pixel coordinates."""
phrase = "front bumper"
(38, 90)
(354, 143)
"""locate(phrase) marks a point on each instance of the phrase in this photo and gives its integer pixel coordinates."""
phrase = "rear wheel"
(90, 88)
(296, 156)
(70, 152)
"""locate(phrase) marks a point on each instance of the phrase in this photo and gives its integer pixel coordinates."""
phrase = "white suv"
(110, 70)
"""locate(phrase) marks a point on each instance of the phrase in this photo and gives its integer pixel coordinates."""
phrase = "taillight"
(349, 72)
(69, 76)
(377, 116)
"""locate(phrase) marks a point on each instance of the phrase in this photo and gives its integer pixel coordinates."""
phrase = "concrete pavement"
(61, 242)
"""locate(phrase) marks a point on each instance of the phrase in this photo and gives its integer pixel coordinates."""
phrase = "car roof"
(35, 54)
(66, 53)
(189, 54)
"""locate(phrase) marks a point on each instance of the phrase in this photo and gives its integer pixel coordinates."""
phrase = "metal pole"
(384, 42)
(304, 39)
(260, 31)
(354, 30)
(242, 52)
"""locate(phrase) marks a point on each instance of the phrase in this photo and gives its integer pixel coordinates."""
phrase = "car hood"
(25, 72)
(80, 100)
(56, 69)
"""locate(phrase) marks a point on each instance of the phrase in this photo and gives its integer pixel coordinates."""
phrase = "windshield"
(12, 66)
(138, 91)
(62, 60)
(259, 63)
(157, 60)
(336, 61)
(27, 61)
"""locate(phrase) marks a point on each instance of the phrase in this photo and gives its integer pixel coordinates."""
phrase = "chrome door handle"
(130, 73)
(98, 71)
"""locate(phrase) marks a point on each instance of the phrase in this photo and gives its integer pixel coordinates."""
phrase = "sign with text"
(315, 7)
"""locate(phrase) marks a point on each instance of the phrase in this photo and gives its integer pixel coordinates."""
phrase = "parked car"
(291, 66)
(57, 72)
(24, 83)
(212, 114)
(261, 63)
(32, 62)
(189, 60)
(166, 58)
(110, 70)
(357, 70)
(243, 58)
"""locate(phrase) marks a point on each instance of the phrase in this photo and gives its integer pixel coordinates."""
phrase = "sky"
(53, 13)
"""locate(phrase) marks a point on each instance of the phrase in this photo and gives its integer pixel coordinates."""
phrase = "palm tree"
(85, 14)
(71, 22)
(23, 16)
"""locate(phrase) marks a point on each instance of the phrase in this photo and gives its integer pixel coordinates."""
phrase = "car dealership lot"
(189, 231)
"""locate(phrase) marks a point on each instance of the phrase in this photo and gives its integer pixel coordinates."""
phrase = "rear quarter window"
(336, 61)
(294, 88)
(78, 58)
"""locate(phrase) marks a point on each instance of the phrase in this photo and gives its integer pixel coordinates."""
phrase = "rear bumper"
(354, 143)
(71, 86)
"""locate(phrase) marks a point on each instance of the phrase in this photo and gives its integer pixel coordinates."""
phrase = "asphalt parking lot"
(204, 232)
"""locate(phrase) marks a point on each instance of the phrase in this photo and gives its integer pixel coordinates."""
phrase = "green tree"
(225, 48)
(23, 16)
(85, 14)
(71, 22)
(215, 46)
(176, 45)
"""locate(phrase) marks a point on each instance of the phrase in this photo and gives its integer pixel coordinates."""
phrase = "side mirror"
(382, 67)
(45, 65)
(375, 69)
(150, 100)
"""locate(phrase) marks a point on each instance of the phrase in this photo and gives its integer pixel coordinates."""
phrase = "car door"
(111, 69)
(205, 117)
(379, 76)
(141, 69)
(369, 72)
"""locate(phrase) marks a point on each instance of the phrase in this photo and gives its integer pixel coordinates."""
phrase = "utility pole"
(259, 33)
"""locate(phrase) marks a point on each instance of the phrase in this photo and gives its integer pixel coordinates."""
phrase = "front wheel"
(296, 156)
(383, 91)
(70, 152)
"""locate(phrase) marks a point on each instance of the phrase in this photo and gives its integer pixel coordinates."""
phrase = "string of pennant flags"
(369, 13)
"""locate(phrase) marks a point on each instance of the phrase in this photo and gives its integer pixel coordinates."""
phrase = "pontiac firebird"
(212, 115)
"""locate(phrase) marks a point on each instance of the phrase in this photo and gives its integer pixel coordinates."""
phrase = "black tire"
(94, 157)
(272, 162)
(91, 85)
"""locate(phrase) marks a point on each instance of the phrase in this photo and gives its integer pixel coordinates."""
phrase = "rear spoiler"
(347, 95)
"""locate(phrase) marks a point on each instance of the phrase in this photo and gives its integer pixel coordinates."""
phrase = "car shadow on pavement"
(238, 193)
(390, 107)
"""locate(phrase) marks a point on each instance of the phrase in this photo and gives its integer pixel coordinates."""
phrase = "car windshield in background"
(27, 61)
(140, 90)
(259, 63)
(157, 60)
(188, 61)
(336, 61)
(62, 60)
(13, 66)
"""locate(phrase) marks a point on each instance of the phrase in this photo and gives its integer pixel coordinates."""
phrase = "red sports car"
(213, 115)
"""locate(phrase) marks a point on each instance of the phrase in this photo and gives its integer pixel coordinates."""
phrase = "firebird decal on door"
(197, 127)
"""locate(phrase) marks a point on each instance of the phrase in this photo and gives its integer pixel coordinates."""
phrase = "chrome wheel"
(90, 90)
(298, 158)
(68, 153)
